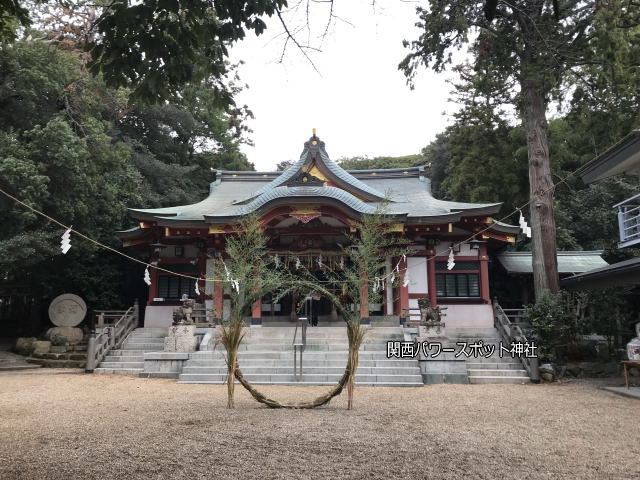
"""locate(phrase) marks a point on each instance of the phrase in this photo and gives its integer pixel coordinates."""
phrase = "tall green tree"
(523, 58)
(486, 161)
(155, 48)
(73, 148)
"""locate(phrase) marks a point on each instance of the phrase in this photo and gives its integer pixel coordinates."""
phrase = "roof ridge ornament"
(304, 179)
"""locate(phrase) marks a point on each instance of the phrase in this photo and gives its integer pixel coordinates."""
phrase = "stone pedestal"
(431, 330)
(181, 339)
(72, 334)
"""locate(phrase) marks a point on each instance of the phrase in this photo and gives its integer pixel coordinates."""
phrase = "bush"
(25, 346)
(552, 322)
(58, 340)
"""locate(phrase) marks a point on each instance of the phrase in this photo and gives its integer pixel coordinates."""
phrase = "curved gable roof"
(314, 153)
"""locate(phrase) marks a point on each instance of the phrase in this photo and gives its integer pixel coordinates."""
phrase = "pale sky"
(359, 103)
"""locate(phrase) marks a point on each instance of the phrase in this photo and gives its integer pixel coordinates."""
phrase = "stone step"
(151, 332)
(136, 339)
(124, 358)
(222, 369)
(144, 343)
(127, 352)
(309, 378)
(498, 379)
(496, 373)
(494, 365)
(77, 348)
(62, 356)
(471, 331)
(61, 363)
(329, 355)
(303, 383)
(333, 339)
(142, 347)
(310, 347)
(122, 365)
(276, 363)
(121, 371)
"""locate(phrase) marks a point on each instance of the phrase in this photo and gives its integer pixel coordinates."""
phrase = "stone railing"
(107, 336)
(512, 332)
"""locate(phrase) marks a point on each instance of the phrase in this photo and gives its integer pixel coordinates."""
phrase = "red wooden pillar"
(218, 301)
(431, 279)
(256, 312)
(484, 274)
(153, 288)
(404, 291)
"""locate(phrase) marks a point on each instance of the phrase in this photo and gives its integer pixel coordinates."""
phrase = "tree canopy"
(73, 148)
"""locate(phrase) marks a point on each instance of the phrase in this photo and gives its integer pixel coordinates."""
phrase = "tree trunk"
(543, 227)
(231, 373)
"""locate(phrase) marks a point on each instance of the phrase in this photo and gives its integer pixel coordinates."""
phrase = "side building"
(308, 211)
(621, 158)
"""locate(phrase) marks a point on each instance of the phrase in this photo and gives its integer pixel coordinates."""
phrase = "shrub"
(58, 340)
(25, 346)
(552, 322)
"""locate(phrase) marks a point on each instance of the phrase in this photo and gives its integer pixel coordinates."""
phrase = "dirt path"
(113, 427)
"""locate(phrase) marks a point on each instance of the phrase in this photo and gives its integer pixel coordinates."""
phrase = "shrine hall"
(308, 211)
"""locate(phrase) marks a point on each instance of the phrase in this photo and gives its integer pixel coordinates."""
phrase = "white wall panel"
(413, 303)
(417, 274)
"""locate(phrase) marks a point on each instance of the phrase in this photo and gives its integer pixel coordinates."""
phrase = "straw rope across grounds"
(318, 402)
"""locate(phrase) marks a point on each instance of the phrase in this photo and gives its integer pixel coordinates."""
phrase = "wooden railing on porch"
(111, 330)
(203, 317)
(512, 332)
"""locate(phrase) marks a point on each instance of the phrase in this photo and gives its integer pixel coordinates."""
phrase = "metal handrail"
(628, 200)
(511, 332)
(629, 220)
(299, 346)
(111, 336)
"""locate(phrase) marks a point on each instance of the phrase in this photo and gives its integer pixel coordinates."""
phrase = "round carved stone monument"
(67, 310)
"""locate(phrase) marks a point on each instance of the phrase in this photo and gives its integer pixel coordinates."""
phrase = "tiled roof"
(568, 262)
(315, 152)
(408, 192)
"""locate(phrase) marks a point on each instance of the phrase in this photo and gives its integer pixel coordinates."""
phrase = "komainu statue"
(431, 324)
(182, 315)
(430, 315)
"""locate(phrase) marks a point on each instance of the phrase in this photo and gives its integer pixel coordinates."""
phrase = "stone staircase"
(266, 357)
(74, 356)
(446, 368)
(129, 358)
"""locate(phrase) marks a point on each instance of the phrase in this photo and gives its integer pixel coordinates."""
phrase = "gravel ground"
(114, 427)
